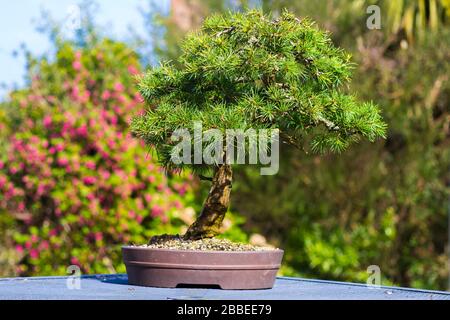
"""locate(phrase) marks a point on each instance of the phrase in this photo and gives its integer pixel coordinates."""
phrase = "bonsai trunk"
(216, 205)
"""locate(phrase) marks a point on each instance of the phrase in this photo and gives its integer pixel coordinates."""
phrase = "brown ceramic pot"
(227, 269)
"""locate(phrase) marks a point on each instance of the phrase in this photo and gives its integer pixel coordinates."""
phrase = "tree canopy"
(251, 70)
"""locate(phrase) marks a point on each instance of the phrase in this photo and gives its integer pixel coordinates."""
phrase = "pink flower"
(178, 204)
(82, 131)
(28, 245)
(63, 162)
(34, 139)
(117, 109)
(105, 175)
(119, 87)
(34, 238)
(106, 95)
(75, 93)
(131, 214)
(90, 165)
(138, 97)
(157, 211)
(59, 147)
(40, 190)
(139, 218)
(98, 236)
(47, 121)
(89, 180)
(139, 204)
(76, 65)
(114, 121)
(182, 190)
(44, 245)
(132, 69)
(122, 98)
(34, 254)
(2, 181)
(74, 260)
(111, 143)
(19, 249)
(52, 233)
(85, 97)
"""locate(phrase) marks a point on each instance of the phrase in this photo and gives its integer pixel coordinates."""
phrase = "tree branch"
(329, 124)
(227, 30)
(290, 140)
(204, 178)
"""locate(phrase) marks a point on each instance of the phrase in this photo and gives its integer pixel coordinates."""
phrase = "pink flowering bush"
(74, 184)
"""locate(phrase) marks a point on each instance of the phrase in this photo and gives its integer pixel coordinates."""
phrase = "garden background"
(75, 186)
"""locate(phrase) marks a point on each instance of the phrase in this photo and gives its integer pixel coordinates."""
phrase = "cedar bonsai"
(251, 70)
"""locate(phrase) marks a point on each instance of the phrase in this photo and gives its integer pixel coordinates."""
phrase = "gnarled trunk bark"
(215, 207)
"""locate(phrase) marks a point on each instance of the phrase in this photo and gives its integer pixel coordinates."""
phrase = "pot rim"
(203, 251)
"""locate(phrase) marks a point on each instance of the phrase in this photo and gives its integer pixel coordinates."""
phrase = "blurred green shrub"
(74, 184)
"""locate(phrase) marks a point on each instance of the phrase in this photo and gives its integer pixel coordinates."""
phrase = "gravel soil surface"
(211, 244)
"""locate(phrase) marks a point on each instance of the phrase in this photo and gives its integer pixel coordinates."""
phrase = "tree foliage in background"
(415, 18)
(74, 185)
(165, 31)
(72, 180)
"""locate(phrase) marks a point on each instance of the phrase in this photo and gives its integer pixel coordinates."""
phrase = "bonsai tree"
(249, 70)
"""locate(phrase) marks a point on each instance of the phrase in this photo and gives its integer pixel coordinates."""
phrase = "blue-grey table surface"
(116, 287)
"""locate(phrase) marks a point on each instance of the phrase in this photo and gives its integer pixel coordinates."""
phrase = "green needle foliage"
(250, 70)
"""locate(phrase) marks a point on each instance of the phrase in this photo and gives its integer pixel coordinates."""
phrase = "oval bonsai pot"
(170, 268)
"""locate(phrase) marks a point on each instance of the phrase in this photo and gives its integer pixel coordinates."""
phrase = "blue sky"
(18, 25)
